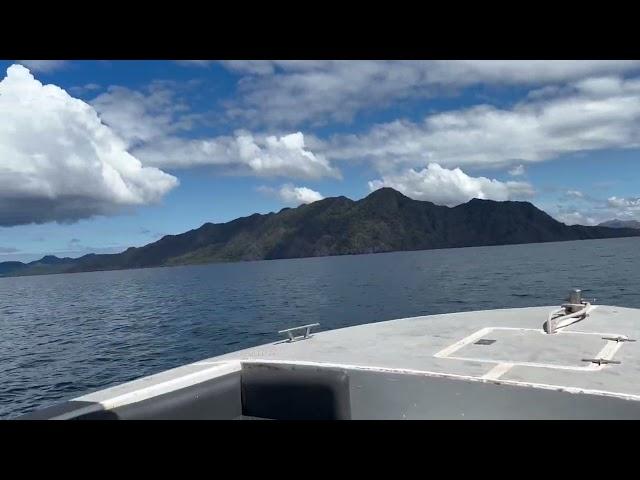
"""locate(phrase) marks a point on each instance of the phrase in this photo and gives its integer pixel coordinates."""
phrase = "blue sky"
(97, 156)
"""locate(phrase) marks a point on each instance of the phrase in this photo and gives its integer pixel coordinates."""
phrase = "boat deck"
(479, 364)
(448, 345)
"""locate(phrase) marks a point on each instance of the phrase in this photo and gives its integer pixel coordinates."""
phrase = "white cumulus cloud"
(574, 194)
(290, 92)
(291, 195)
(450, 187)
(631, 203)
(517, 171)
(85, 89)
(59, 162)
(585, 209)
(244, 153)
(596, 114)
(142, 116)
(575, 218)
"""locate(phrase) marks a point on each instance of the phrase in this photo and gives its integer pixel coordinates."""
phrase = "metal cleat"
(307, 332)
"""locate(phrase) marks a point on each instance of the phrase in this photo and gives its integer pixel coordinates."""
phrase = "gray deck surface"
(522, 352)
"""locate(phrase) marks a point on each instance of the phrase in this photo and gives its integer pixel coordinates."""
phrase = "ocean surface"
(62, 336)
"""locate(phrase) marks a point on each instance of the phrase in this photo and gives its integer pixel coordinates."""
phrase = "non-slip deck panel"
(295, 392)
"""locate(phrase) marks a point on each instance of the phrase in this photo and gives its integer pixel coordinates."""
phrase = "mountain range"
(615, 223)
(384, 221)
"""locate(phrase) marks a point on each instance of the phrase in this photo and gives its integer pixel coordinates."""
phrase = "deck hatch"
(525, 346)
(485, 341)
